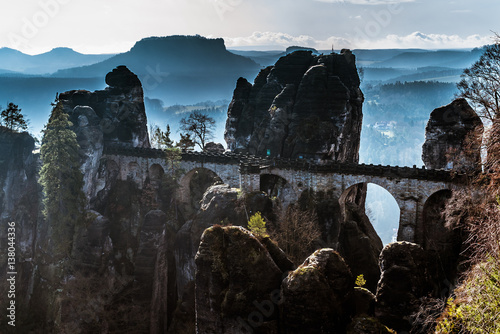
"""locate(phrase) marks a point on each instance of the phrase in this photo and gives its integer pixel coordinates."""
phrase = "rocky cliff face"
(115, 115)
(242, 288)
(118, 110)
(234, 273)
(304, 106)
(406, 277)
(19, 203)
(123, 252)
(453, 138)
(18, 169)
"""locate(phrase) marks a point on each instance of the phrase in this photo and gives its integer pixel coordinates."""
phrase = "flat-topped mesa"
(453, 138)
(305, 106)
(118, 110)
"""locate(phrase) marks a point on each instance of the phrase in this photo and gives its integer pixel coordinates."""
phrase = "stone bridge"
(410, 187)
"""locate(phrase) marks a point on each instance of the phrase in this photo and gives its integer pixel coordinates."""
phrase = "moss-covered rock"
(405, 279)
(364, 301)
(316, 296)
(237, 283)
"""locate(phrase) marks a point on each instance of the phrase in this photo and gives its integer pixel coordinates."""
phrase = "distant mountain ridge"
(172, 54)
(440, 58)
(177, 69)
(46, 63)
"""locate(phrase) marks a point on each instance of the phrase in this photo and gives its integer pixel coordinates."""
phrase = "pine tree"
(257, 225)
(186, 143)
(61, 179)
(13, 118)
(161, 139)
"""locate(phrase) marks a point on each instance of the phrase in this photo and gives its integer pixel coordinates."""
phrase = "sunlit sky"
(110, 26)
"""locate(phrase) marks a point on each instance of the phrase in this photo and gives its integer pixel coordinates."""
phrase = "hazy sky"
(104, 26)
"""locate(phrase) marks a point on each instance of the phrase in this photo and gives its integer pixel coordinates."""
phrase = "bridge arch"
(432, 233)
(112, 168)
(156, 172)
(277, 186)
(380, 205)
(133, 170)
(192, 186)
(387, 184)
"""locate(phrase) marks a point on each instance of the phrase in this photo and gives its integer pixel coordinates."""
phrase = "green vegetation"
(161, 139)
(360, 280)
(476, 305)
(61, 179)
(173, 159)
(169, 181)
(13, 119)
(476, 308)
(257, 225)
(185, 143)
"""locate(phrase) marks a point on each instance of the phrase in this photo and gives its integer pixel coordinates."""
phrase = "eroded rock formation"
(453, 138)
(236, 277)
(304, 106)
(115, 115)
(406, 277)
(118, 109)
(316, 296)
(20, 196)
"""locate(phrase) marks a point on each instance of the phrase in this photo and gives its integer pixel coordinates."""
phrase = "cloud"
(270, 38)
(367, 2)
(278, 40)
(426, 41)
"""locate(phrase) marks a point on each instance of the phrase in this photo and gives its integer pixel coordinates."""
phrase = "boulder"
(212, 147)
(237, 283)
(406, 277)
(305, 106)
(453, 138)
(122, 79)
(316, 296)
(364, 302)
(221, 204)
